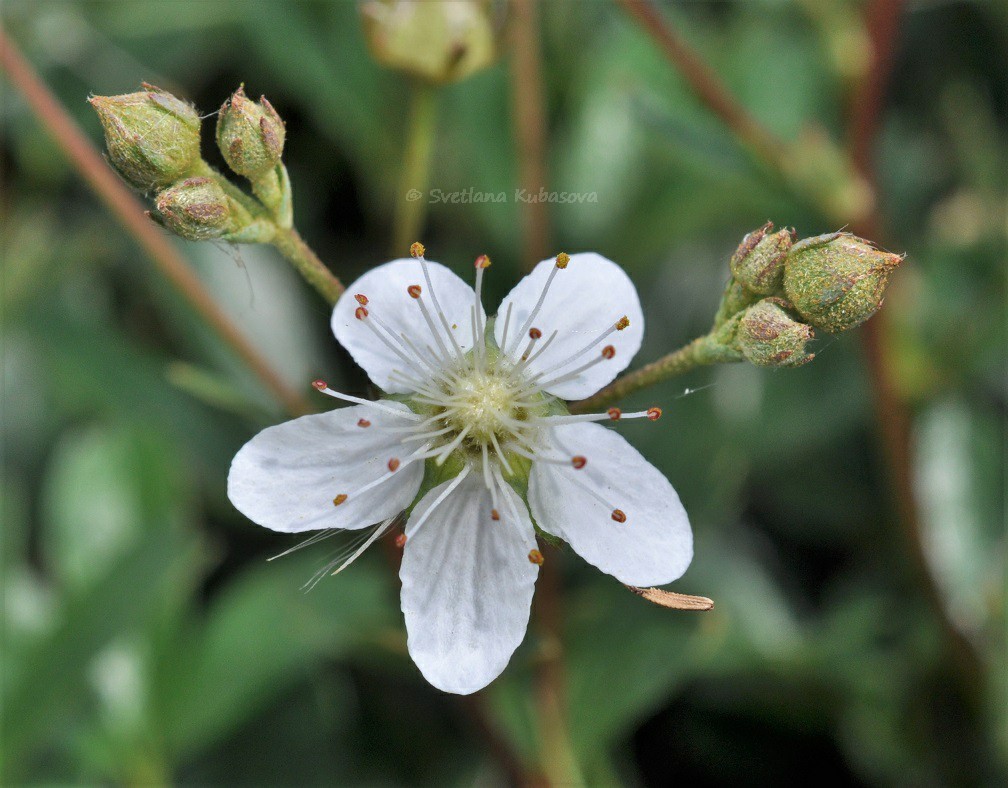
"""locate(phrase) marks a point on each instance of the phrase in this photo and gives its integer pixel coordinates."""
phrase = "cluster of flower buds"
(781, 291)
(153, 141)
(435, 42)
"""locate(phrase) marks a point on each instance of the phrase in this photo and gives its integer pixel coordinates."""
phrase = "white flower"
(478, 427)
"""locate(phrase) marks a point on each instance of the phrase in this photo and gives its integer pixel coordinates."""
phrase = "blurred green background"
(146, 639)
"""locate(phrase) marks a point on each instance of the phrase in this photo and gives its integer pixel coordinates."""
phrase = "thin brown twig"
(130, 213)
(707, 85)
(529, 118)
(895, 424)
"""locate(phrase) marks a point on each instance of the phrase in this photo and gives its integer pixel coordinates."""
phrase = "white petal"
(655, 544)
(467, 586)
(286, 477)
(386, 290)
(585, 299)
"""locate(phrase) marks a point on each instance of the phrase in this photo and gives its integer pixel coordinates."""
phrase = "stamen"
(500, 455)
(437, 501)
(411, 363)
(482, 263)
(613, 414)
(507, 322)
(527, 361)
(545, 290)
(361, 299)
(535, 557)
(440, 460)
(363, 423)
(360, 313)
(654, 414)
(607, 353)
(379, 531)
(322, 386)
(341, 498)
(494, 514)
(618, 515)
(417, 249)
(414, 291)
(578, 461)
(393, 464)
(619, 325)
(622, 323)
(562, 260)
(400, 541)
(427, 318)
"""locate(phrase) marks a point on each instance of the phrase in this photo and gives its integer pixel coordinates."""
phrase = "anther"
(320, 384)
(619, 515)
(417, 249)
(360, 313)
(535, 333)
(622, 323)
(562, 259)
(578, 462)
(361, 299)
(414, 291)
(400, 541)
(614, 413)
(494, 514)
(535, 557)
(363, 423)
(482, 261)
(654, 414)
(339, 499)
(608, 351)
(393, 464)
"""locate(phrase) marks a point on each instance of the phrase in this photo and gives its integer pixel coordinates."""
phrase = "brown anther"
(535, 333)
(363, 423)
(339, 499)
(619, 515)
(482, 261)
(393, 464)
(320, 384)
(614, 413)
(414, 291)
(654, 414)
(535, 557)
(494, 514)
(361, 299)
(360, 313)
(400, 541)
(562, 259)
(608, 351)
(622, 323)
(417, 249)
(579, 462)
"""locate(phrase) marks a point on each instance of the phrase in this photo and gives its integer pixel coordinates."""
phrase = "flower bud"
(198, 209)
(153, 138)
(837, 281)
(436, 41)
(758, 263)
(250, 134)
(769, 337)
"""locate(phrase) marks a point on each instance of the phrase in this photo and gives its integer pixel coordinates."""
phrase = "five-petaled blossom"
(473, 441)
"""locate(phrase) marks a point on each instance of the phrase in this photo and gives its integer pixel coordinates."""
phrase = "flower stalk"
(410, 213)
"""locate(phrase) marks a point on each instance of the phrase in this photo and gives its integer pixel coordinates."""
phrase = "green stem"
(290, 244)
(410, 214)
(704, 350)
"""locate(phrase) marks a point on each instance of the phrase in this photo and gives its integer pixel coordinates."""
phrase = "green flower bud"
(758, 263)
(436, 41)
(199, 209)
(837, 281)
(769, 337)
(250, 134)
(153, 138)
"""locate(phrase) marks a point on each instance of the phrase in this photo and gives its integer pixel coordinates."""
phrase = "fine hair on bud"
(768, 336)
(758, 263)
(152, 137)
(837, 281)
(197, 209)
(250, 135)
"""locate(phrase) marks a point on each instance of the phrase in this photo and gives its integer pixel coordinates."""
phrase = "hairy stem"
(701, 351)
(130, 213)
(292, 246)
(411, 199)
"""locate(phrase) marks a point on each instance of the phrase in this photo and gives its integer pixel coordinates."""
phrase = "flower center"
(485, 402)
